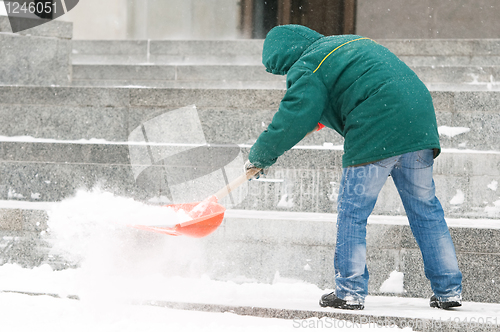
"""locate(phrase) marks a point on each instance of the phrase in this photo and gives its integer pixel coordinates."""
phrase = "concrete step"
(112, 113)
(206, 84)
(258, 244)
(286, 242)
(305, 179)
(447, 52)
(37, 56)
(49, 162)
(154, 75)
(167, 51)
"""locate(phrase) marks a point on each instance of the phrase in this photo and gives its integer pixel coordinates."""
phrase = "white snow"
(30, 139)
(493, 211)
(394, 284)
(328, 145)
(13, 195)
(332, 217)
(469, 151)
(325, 146)
(286, 202)
(493, 185)
(452, 131)
(35, 196)
(459, 198)
(23, 313)
(100, 207)
(87, 223)
(112, 307)
(262, 179)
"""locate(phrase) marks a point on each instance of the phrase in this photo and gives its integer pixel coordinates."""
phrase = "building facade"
(230, 19)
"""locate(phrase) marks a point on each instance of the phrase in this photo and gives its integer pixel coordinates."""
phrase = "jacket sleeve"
(299, 112)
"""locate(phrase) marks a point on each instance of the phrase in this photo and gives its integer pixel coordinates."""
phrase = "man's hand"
(260, 171)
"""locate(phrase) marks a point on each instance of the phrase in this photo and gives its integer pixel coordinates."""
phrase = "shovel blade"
(198, 227)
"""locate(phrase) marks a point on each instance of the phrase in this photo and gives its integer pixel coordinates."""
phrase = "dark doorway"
(329, 17)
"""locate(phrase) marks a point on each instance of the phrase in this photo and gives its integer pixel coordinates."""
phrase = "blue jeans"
(360, 186)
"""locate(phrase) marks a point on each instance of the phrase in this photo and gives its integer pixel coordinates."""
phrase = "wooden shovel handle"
(236, 183)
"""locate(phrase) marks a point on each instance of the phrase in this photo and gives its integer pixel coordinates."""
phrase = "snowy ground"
(23, 313)
(106, 303)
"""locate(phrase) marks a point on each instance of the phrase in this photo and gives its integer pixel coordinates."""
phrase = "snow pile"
(452, 131)
(493, 185)
(394, 284)
(286, 202)
(458, 199)
(493, 211)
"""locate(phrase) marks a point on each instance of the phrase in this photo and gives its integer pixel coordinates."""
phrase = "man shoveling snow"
(385, 113)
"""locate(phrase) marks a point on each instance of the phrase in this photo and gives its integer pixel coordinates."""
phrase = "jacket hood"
(284, 45)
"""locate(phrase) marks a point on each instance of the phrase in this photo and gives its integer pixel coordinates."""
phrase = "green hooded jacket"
(350, 84)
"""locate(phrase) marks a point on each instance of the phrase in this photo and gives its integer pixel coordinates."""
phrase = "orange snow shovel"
(207, 215)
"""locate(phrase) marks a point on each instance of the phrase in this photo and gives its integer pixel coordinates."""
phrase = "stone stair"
(439, 63)
(58, 137)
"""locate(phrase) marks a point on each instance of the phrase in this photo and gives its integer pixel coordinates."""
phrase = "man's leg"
(358, 194)
(413, 178)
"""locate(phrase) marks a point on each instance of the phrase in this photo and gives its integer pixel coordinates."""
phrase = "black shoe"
(330, 300)
(435, 303)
